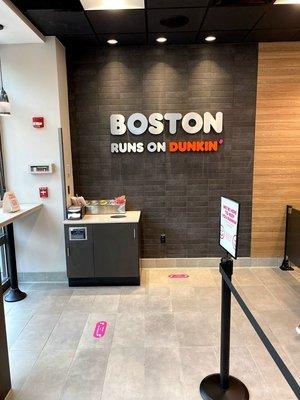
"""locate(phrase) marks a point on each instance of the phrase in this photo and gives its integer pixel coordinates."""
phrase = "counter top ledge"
(131, 217)
(25, 209)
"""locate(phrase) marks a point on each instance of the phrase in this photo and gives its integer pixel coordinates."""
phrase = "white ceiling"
(17, 28)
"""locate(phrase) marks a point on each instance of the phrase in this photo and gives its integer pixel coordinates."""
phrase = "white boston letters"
(191, 123)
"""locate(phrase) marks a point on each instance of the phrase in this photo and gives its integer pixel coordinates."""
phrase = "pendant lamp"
(4, 101)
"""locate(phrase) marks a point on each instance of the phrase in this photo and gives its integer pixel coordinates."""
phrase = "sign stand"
(223, 386)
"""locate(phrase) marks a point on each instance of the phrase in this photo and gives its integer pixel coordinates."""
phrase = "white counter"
(131, 217)
(25, 209)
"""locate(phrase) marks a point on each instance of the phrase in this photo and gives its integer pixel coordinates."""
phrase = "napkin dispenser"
(75, 212)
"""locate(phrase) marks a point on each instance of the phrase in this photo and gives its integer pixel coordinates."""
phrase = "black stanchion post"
(286, 265)
(14, 294)
(227, 266)
(222, 386)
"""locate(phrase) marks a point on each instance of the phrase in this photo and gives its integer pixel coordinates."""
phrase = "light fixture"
(287, 2)
(4, 101)
(210, 38)
(161, 39)
(89, 5)
(112, 41)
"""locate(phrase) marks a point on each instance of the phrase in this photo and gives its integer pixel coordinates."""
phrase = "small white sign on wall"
(229, 225)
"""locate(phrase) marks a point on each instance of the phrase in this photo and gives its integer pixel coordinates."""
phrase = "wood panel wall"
(277, 145)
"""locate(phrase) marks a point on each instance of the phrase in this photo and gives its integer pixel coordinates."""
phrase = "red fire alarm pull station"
(43, 192)
(38, 122)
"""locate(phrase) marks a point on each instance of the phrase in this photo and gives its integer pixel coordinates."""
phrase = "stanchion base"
(210, 389)
(286, 266)
(15, 295)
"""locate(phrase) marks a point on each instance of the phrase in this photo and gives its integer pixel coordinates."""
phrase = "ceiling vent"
(176, 21)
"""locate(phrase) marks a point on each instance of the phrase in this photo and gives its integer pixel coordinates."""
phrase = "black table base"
(14, 294)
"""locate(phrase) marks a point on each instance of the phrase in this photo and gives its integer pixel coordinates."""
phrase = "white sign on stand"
(229, 225)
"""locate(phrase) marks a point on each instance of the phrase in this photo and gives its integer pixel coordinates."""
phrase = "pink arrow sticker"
(100, 329)
(178, 276)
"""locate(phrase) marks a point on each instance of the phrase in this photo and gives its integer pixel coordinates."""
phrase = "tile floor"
(162, 337)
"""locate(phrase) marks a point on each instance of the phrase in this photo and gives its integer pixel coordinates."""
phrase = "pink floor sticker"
(100, 329)
(178, 276)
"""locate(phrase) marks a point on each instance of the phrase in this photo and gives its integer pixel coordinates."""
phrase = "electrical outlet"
(162, 238)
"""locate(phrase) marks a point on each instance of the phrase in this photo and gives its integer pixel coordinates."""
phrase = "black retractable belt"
(224, 386)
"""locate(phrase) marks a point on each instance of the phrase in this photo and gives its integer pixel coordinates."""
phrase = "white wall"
(35, 81)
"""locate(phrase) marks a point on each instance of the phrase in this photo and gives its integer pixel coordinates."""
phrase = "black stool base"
(14, 295)
(210, 389)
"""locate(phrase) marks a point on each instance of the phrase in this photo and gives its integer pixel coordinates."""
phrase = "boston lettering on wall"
(191, 123)
(178, 192)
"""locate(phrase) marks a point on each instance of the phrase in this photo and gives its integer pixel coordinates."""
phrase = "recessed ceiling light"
(112, 41)
(112, 4)
(210, 38)
(161, 40)
(287, 2)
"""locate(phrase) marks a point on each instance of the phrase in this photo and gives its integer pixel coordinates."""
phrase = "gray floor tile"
(272, 376)
(134, 290)
(14, 326)
(86, 375)
(286, 295)
(193, 329)
(97, 290)
(52, 305)
(160, 330)
(106, 303)
(21, 363)
(36, 333)
(183, 299)
(49, 286)
(31, 302)
(132, 303)
(8, 306)
(163, 373)
(208, 301)
(80, 303)
(259, 298)
(198, 362)
(68, 331)
(244, 368)
(125, 375)
(129, 330)
(246, 277)
(158, 301)
(47, 377)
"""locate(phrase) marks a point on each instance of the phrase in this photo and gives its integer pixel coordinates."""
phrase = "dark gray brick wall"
(179, 194)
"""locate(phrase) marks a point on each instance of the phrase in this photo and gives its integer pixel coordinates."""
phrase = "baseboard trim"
(212, 262)
(209, 262)
(58, 276)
